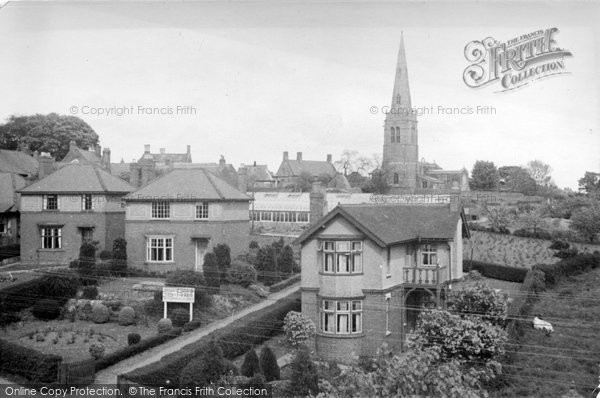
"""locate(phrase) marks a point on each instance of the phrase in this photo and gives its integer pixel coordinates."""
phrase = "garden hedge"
(496, 271)
(568, 267)
(282, 285)
(33, 365)
(235, 340)
(23, 295)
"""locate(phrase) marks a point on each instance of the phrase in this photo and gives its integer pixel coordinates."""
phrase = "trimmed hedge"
(29, 363)
(131, 350)
(19, 296)
(569, 266)
(282, 285)
(237, 339)
(496, 271)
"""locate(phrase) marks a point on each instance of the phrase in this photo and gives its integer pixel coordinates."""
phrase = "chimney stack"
(98, 150)
(318, 203)
(106, 159)
(329, 158)
(46, 165)
(299, 156)
(243, 179)
(189, 153)
(286, 156)
(147, 148)
(222, 161)
(72, 145)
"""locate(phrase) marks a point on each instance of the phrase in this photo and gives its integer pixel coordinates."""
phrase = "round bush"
(133, 338)
(90, 292)
(59, 286)
(253, 244)
(46, 309)
(241, 274)
(96, 350)
(126, 316)
(164, 325)
(180, 317)
(100, 313)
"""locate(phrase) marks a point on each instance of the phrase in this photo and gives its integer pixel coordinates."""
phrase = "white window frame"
(334, 311)
(161, 210)
(54, 238)
(45, 202)
(343, 260)
(160, 243)
(302, 217)
(202, 210)
(429, 256)
(84, 202)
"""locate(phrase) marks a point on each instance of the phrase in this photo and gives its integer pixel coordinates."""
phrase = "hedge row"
(33, 365)
(235, 340)
(129, 351)
(283, 284)
(19, 296)
(568, 267)
(496, 271)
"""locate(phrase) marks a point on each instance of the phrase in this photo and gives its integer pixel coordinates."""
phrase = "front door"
(200, 252)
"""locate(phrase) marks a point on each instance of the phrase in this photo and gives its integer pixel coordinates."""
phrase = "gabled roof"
(17, 162)
(188, 185)
(9, 184)
(390, 224)
(79, 178)
(313, 167)
(81, 154)
(258, 172)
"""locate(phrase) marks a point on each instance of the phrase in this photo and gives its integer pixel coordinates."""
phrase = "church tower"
(400, 138)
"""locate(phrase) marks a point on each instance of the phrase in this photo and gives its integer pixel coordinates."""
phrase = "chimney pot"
(299, 156)
(147, 148)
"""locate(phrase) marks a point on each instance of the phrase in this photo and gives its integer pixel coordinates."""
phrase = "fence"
(79, 373)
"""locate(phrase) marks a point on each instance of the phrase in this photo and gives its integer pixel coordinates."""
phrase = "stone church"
(402, 167)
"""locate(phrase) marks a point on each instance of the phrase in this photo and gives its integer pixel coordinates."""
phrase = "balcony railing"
(424, 275)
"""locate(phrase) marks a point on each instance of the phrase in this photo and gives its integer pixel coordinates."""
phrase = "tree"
(480, 300)
(590, 183)
(265, 264)
(47, 133)
(516, 179)
(212, 273)
(499, 217)
(305, 379)
(208, 368)
(268, 364)
(304, 182)
(346, 163)
(298, 329)
(223, 255)
(540, 172)
(251, 365)
(586, 221)
(532, 219)
(285, 261)
(484, 176)
(119, 255)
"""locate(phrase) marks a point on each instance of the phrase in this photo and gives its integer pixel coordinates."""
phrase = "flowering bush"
(481, 301)
(298, 329)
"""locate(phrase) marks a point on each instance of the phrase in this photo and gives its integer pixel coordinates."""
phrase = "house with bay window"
(174, 220)
(76, 203)
(368, 270)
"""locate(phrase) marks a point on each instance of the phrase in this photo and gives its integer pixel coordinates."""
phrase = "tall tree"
(484, 176)
(590, 183)
(46, 133)
(586, 221)
(351, 160)
(540, 172)
(516, 179)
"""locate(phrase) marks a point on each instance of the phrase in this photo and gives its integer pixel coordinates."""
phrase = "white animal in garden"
(542, 325)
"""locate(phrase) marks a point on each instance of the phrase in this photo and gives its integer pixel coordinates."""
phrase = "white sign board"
(178, 295)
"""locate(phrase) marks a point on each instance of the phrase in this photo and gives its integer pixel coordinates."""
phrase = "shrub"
(100, 313)
(285, 261)
(59, 286)
(268, 364)
(192, 325)
(480, 300)
(539, 234)
(212, 274)
(223, 255)
(496, 271)
(241, 274)
(180, 317)
(253, 244)
(96, 350)
(126, 316)
(87, 263)
(187, 278)
(568, 267)
(133, 338)
(566, 253)
(126, 352)
(208, 368)
(298, 329)
(35, 366)
(251, 366)
(164, 325)
(305, 379)
(105, 255)
(119, 256)
(90, 292)
(46, 309)
(559, 245)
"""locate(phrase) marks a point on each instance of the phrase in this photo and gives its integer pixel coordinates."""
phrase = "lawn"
(548, 365)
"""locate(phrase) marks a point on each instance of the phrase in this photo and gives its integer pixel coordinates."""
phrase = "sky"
(266, 77)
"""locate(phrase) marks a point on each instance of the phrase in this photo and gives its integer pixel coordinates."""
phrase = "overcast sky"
(266, 78)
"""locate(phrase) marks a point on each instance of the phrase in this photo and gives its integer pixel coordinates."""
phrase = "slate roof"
(314, 167)
(17, 162)
(188, 185)
(258, 172)
(79, 178)
(9, 184)
(391, 224)
(118, 169)
(79, 153)
(169, 157)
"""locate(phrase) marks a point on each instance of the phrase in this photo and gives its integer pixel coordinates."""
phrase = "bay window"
(341, 316)
(341, 257)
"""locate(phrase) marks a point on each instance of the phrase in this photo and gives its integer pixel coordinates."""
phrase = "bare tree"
(540, 172)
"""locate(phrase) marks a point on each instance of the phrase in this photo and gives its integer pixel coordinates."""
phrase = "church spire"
(401, 94)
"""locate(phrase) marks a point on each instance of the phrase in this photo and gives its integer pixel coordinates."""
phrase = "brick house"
(367, 270)
(77, 203)
(173, 221)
